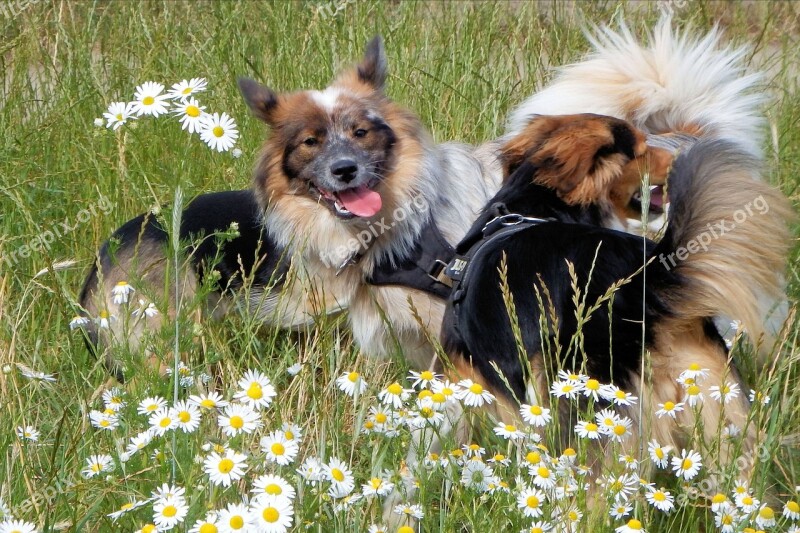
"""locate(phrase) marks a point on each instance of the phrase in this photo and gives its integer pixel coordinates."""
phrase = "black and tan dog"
(724, 252)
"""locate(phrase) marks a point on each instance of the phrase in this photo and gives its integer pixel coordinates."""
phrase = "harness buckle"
(437, 272)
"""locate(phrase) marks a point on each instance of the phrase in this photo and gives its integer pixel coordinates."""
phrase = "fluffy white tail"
(677, 81)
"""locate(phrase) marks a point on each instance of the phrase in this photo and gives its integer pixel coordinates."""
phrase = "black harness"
(433, 266)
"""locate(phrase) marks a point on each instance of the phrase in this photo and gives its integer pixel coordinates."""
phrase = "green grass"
(460, 66)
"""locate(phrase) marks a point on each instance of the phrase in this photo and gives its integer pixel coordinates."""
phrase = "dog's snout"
(344, 169)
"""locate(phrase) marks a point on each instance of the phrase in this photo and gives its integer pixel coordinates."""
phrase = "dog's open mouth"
(656, 205)
(360, 201)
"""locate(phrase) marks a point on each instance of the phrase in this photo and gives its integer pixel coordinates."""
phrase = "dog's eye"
(360, 132)
(310, 141)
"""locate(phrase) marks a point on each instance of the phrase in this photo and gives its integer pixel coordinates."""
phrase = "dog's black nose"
(344, 169)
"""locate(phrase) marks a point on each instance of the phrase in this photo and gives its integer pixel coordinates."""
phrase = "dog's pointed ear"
(261, 100)
(374, 68)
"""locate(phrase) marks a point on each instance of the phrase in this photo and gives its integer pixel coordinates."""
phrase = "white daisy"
(108, 421)
(478, 475)
(621, 430)
(566, 389)
(531, 501)
(424, 379)
(278, 448)
(620, 510)
(150, 405)
(209, 524)
(727, 518)
(424, 416)
(238, 418)
(187, 415)
(632, 526)
(121, 292)
(96, 465)
(670, 409)
(755, 396)
(473, 394)
(225, 469)
(149, 100)
(409, 510)
(78, 322)
(235, 518)
(694, 395)
(191, 113)
(17, 526)
(725, 393)
(765, 518)
(658, 454)
(587, 430)
(535, 415)
(687, 465)
(543, 477)
(118, 114)
(162, 421)
(255, 390)
(219, 132)
(210, 400)
(186, 88)
(508, 431)
(312, 470)
(139, 442)
(292, 431)
(126, 508)
(747, 503)
(297, 367)
(340, 476)
(28, 433)
(148, 310)
(272, 514)
(448, 389)
(272, 485)
(695, 372)
(394, 395)
(351, 383)
(113, 399)
(377, 486)
(592, 389)
(661, 499)
(791, 510)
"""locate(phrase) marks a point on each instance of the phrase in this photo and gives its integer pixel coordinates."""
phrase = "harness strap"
(433, 266)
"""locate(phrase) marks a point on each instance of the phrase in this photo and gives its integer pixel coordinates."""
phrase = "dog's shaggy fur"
(645, 296)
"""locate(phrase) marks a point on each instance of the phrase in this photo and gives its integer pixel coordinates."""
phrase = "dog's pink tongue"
(657, 196)
(361, 201)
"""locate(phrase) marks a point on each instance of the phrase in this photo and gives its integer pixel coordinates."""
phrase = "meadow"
(72, 445)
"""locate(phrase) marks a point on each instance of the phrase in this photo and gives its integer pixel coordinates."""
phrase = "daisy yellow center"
(689, 381)
(592, 427)
(567, 388)
(747, 500)
(457, 453)
(218, 131)
(510, 428)
(237, 422)
(236, 522)
(793, 507)
(474, 447)
(620, 394)
(271, 515)
(208, 528)
(225, 466)
(532, 502)
(148, 100)
(687, 464)
(694, 390)
(149, 528)
(694, 367)
(184, 416)
(476, 388)
(119, 116)
(165, 422)
(634, 524)
(369, 424)
(727, 519)
(669, 406)
(126, 507)
(447, 391)
(187, 90)
(273, 489)
(543, 472)
(208, 403)
(353, 377)
(533, 457)
(434, 457)
(105, 423)
(536, 410)
(375, 483)
(108, 411)
(438, 397)
(103, 314)
(380, 418)
(572, 515)
(278, 449)
(427, 375)
(192, 111)
(593, 384)
(659, 496)
(740, 490)
(405, 529)
(169, 511)
(219, 448)
(659, 453)
(726, 389)
(718, 498)
(569, 452)
(254, 390)
(337, 474)
(537, 530)
(424, 394)
(426, 412)
(766, 513)
(289, 435)
(97, 467)
(152, 407)
(395, 389)
(619, 430)
(499, 457)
